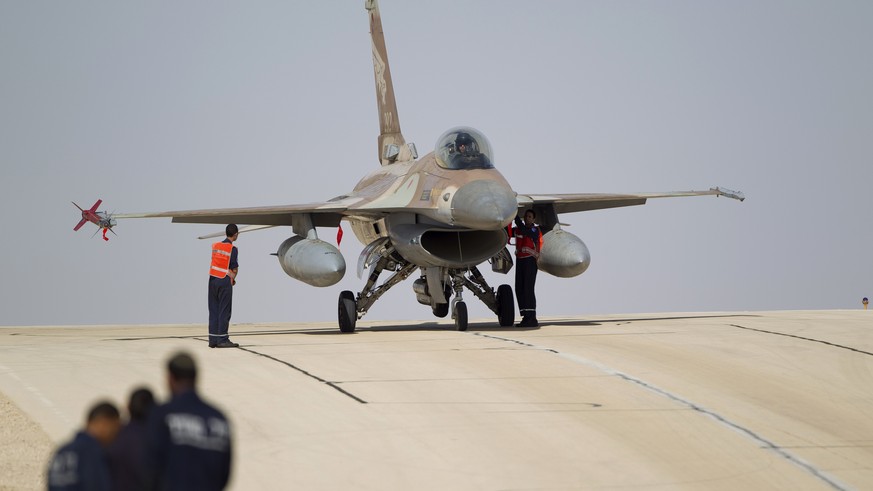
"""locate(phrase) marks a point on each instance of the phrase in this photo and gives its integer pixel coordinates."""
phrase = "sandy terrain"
(24, 449)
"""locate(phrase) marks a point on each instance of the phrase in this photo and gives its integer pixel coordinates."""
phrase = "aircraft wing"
(324, 214)
(247, 228)
(570, 203)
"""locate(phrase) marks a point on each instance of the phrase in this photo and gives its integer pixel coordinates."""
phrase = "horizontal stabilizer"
(249, 228)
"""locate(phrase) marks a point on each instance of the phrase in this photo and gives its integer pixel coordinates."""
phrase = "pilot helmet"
(464, 139)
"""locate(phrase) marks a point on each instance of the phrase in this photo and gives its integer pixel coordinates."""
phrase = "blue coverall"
(189, 445)
(220, 302)
(79, 465)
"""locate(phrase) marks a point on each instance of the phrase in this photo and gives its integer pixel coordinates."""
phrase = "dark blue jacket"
(127, 462)
(234, 255)
(189, 445)
(79, 465)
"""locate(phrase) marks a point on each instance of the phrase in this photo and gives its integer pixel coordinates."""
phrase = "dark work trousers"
(525, 281)
(220, 300)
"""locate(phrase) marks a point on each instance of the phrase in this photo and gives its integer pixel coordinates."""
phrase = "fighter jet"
(102, 219)
(439, 217)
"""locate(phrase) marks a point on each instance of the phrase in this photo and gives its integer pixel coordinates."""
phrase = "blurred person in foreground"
(127, 454)
(189, 439)
(81, 464)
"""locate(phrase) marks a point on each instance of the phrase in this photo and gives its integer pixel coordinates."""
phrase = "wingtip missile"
(104, 220)
(737, 195)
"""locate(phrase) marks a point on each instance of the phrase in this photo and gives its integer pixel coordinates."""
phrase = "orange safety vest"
(220, 259)
(525, 246)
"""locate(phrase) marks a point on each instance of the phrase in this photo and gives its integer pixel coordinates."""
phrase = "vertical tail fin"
(392, 145)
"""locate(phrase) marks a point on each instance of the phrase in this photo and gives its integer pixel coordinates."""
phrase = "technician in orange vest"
(222, 277)
(528, 242)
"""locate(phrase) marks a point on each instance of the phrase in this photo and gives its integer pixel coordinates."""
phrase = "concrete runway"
(762, 400)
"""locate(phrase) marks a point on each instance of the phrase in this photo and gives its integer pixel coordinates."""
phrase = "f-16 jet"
(438, 217)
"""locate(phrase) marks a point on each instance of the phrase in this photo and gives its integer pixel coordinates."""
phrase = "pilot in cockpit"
(464, 144)
(466, 152)
(463, 148)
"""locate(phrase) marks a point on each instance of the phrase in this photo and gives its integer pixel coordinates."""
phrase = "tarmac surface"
(758, 400)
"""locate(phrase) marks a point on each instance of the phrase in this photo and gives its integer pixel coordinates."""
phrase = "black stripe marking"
(304, 372)
(856, 350)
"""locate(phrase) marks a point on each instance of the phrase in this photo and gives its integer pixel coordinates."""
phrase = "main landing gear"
(460, 316)
(447, 283)
(348, 314)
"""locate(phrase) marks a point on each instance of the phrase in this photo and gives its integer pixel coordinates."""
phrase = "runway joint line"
(765, 443)
(333, 385)
(795, 336)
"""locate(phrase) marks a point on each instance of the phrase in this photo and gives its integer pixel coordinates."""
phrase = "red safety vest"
(220, 259)
(525, 246)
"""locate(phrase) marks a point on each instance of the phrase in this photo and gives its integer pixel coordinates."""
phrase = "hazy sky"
(162, 105)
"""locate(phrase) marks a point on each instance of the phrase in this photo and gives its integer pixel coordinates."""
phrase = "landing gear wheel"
(348, 311)
(441, 309)
(505, 306)
(461, 316)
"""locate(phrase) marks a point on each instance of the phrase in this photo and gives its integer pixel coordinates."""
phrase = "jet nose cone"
(484, 205)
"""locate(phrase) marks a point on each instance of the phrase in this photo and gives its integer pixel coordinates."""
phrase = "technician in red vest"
(528, 243)
(222, 277)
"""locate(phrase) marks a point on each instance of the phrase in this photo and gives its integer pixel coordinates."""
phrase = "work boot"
(227, 344)
(528, 321)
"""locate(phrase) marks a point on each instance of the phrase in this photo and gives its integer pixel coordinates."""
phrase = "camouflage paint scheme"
(423, 214)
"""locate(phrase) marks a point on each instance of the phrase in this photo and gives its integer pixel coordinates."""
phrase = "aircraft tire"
(441, 309)
(461, 316)
(347, 314)
(505, 306)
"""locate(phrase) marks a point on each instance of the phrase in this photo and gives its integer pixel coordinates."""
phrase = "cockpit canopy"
(463, 148)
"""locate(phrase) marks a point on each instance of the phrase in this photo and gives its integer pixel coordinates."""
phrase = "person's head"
(463, 143)
(181, 373)
(103, 422)
(530, 217)
(232, 231)
(140, 404)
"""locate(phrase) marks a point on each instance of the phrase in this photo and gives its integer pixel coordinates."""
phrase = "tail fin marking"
(389, 122)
